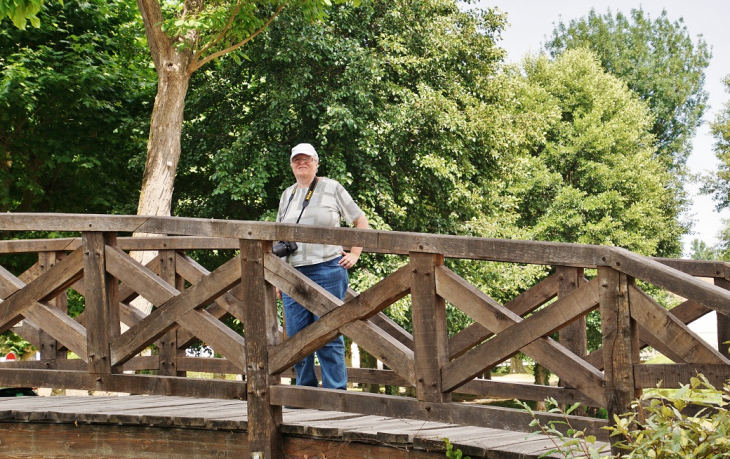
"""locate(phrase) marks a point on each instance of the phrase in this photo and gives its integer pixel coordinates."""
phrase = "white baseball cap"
(304, 149)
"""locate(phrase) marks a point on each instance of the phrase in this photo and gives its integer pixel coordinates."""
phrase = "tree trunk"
(163, 147)
(516, 365)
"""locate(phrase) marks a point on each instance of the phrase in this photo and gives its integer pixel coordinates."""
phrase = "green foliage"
(451, 452)
(10, 342)
(656, 58)
(568, 441)
(73, 97)
(592, 179)
(701, 251)
(659, 429)
(400, 105)
(718, 184)
(20, 11)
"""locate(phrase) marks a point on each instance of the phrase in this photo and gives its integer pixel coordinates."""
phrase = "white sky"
(532, 23)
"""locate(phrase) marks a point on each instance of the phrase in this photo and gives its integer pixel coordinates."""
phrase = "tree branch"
(196, 65)
(218, 38)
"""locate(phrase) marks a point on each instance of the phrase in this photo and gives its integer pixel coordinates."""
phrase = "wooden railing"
(192, 302)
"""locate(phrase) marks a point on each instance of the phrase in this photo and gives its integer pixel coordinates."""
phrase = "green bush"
(691, 422)
(659, 429)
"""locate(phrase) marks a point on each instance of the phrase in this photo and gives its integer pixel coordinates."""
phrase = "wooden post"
(572, 336)
(620, 342)
(262, 330)
(102, 302)
(168, 343)
(430, 337)
(723, 324)
(48, 345)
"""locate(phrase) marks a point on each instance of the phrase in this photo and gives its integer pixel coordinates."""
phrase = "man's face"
(304, 166)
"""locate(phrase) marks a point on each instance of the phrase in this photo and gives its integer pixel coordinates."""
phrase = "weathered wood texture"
(620, 342)
(173, 427)
(97, 266)
(136, 384)
(723, 324)
(262, 331)
(403, 407)
(429, 328)
(515, 334)
(102, 302)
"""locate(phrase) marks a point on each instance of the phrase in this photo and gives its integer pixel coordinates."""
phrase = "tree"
(701, 251)
(182, 37)
(74, 93)
(718, 184)
(593, 179)
(658, 60)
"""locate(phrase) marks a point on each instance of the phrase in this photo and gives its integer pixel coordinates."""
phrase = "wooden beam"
(102, 303)
(59, 326)
(697, 268)
(523, 304)
(671, 376)
(217, 335)
(378, 343)
(573, 336)
(514, 335)
(316, 335)
(45, 286)
(687, 312)
(139, 278)
(163, 319)
(408, 408)
(137, 384)
(262, 331)
(30, 274)
(723, 324)
(524, 391)
(168, 345)
(670, 279)
(668, 329)
(150, 362)
(620, 342)
(207, 365)
(49, 346)
(390, 327)
(514, 251)
(430, 336)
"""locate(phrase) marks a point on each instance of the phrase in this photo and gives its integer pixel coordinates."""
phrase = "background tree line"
(411, 106)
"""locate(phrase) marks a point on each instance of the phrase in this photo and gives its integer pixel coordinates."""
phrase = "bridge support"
(430, 338)
(262, 331)
(168, 343)
(620, 342)
(102, 302)
(723, 324)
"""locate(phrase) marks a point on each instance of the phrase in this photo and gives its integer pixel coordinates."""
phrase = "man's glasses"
(302, 159)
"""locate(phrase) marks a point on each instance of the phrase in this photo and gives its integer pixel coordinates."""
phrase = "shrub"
(691, 422)
(660, 427)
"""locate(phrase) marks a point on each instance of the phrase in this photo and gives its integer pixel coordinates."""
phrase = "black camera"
(282, 249)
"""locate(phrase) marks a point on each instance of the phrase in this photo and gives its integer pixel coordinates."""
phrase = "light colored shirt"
(329, 205)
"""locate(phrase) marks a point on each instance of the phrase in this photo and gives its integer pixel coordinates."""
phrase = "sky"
(532, 22)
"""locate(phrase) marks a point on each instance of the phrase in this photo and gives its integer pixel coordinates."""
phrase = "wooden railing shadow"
(192, 303)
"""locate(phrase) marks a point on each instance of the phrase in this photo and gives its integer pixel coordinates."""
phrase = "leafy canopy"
(592, 178)
(74, 96)
(659, 60)
(718, 184)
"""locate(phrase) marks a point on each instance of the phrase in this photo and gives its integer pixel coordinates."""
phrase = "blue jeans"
(333, 278)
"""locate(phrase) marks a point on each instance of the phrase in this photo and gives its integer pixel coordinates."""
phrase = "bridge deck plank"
(216, 414)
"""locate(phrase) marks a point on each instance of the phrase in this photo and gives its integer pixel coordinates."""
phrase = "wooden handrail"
(191, 303)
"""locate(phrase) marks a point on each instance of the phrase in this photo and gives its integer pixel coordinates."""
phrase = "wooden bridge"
(191, 304)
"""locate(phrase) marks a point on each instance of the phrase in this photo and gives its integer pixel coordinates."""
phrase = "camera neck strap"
(305, 203)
